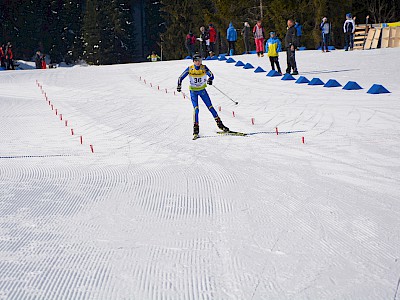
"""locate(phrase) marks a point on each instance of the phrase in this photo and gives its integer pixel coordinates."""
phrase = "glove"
(209, 81)
(179, 88)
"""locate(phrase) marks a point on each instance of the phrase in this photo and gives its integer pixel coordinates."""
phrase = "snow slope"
(152, 214)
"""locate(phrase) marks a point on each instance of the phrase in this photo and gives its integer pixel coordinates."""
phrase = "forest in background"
(103, 32)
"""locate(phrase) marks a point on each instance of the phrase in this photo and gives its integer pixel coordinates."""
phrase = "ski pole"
(226, 95)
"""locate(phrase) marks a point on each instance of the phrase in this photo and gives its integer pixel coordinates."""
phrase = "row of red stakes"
(219, 107)
(60, 115)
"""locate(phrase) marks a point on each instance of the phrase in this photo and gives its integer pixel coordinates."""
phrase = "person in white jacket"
(349, 27)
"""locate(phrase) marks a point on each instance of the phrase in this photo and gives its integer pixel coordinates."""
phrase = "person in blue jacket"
(273, 46)
(299, 29)
(198, 74)
(231, 36)
(325, 30)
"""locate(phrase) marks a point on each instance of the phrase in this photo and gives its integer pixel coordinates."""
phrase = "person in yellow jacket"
(153, 57)
(273, 46)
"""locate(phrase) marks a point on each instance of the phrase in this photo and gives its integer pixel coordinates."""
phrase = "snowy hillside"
(151, 214)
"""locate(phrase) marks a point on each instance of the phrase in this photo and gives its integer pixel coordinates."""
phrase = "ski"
(195, 136)
(230, 132)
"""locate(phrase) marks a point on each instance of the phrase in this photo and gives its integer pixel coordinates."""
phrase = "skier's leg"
(207, 101)
(195, 102)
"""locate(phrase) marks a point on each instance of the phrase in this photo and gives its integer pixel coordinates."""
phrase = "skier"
(246, 37)
(273, 47)
(198, 82)
(291, 44)
(325, 29)
(259, 35)
(348, 28)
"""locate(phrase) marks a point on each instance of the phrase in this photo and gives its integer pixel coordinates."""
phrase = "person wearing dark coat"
(3, 56)
(9, 57)
(190, 43)
(246, 37)
(291, 45)
(203, 41)
(38, 60)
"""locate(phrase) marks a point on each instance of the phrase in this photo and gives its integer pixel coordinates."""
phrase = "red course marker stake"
(252, 121)
(60, 117)
(91, 148)
(66, 123)
(302, 139)
(52, 107)
(72, 131)
(276, 129)
(151, 85)
(233, 113)
(219, 108)
(56, 112)
(81, 140)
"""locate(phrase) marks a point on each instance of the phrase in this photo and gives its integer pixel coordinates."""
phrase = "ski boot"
(220, 125)
(195, 131)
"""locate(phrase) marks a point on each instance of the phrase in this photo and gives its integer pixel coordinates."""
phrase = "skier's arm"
(209, 73)
(183, 76)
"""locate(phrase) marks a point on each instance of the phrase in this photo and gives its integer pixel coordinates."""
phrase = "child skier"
(273, 46)
(198, 82)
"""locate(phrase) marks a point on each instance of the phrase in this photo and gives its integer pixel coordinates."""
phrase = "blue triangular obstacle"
(332, 83)
(239, 64)
(214, 57)
(222, 57)
(248, 66)
(230, 60)
(377, 89)
(273, 73)
(352, 85)
(208, 58)
(302, 79)
(287, 76)
(259, 70)
(316, 81)
(188, 57)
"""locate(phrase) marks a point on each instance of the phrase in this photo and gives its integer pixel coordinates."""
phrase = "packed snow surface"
(151, 214)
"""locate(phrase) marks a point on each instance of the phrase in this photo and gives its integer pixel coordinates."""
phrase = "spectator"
(44, 66)
(213, 38)
(203, 42)
(38, 60)
(246, 37)
(231, 36)
(3, 57)
(9, 57)
(190, 43)
(273, 47)
(290, 45)
(326, 30)
(259, 35)
(299, 29)
(153, 57)
(349, 27)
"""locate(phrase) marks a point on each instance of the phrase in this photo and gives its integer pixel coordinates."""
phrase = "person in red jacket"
(259, 35)
(2, 56)
(190, 43)
(213, 38)
(44, 61)
(9, 57)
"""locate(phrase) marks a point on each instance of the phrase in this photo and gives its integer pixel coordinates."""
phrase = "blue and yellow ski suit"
(198, 83)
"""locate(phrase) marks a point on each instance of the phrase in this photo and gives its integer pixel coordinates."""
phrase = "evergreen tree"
(108, 32)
